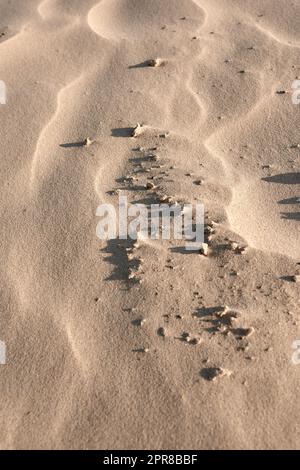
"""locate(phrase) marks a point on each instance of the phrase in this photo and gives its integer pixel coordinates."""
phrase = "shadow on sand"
(286, 178)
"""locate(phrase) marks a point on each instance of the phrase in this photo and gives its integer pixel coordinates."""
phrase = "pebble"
(217, 372)
(138, 129)
(150, 185)
(88, 142)
(155, 62)
(161, 332)
(246, 332)
(204, 249)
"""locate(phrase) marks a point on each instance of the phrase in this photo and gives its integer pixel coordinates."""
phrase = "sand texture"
(122, 345)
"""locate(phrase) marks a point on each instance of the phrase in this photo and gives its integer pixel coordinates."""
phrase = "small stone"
(296, 278)
(214, 373)
(153, 157)
(150, 185)
(155, 62)
(166, 199)
(234, 273)
(223, 312)
(138, 129)
(139, 321)
(194, 341)
(204, 249)
(209, 229)
(246, 332)
(141, 350)
(114, 192)
(228, 317)
(186, 337)
(213, 223)
(88, 142)
(129, 179)
(161, 332)
(233, 246)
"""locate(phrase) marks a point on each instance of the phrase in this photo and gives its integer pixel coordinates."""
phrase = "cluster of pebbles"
(145, 178)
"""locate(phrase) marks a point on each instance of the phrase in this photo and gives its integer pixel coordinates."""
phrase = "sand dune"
(114, 344)
(139, 19)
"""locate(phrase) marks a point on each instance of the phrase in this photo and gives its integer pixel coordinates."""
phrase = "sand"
(116, 345)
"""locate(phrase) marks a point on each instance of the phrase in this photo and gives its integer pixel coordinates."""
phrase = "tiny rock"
(204, 249)
(150, 185)
(193, 341)
(153, 157)
(138, 129)
(88, 142)
(246, 332)
(161, 332)
(215, 373)
(155, 62)
(234, 246)
(166, 199)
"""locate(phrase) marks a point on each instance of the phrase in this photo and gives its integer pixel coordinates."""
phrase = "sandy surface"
(76, 376)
